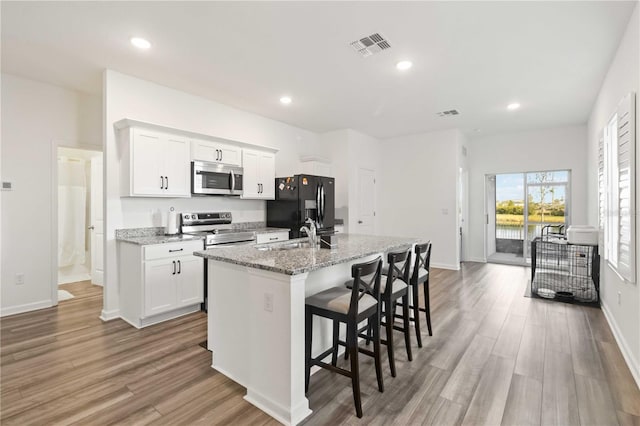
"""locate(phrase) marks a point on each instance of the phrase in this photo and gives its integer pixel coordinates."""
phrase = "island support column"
(277, 361)
(256, 334)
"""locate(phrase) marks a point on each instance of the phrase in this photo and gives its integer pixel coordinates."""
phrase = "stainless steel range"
(215, 228)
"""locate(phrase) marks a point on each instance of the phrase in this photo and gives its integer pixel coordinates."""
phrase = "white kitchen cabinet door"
(215, 152)
(147, 163)
(160, 289)
(259, 175)
(190, 280)
(230, 154)
(250, 161)
(267, 175)
(177, 167)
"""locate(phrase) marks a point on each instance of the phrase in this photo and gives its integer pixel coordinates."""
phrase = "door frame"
(53, 202)
(485, 219)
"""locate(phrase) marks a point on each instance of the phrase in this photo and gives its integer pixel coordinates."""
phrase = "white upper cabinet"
(215, 152)
(156, 161)
(316, 166)
(154, 164)
(259, 174)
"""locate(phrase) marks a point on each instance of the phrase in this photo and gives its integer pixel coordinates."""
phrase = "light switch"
(7, 186)
(445, 211)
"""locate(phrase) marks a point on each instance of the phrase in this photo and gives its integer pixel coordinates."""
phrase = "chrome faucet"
(310, 231)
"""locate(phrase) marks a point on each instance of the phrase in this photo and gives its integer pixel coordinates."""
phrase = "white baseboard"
(622, 344)
(109, 315)
(284, 415)
(453, 267)
(27, 307)
(476, 259)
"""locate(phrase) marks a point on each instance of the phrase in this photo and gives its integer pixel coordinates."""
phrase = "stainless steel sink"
(283, 246)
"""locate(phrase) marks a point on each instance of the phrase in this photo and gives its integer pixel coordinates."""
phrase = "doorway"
(520, 207)
(79, 219)
(366, 202)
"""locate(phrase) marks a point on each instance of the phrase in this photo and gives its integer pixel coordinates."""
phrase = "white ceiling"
(472, 56)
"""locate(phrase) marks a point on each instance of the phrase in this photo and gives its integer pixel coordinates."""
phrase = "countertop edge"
(209, 256)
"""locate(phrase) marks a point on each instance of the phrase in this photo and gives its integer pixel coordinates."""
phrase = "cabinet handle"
(179, 267)
(273, 239)
(167, 184)
(161, 182)
(218, 155)
(173, 251)
(174, 267)
(221, 155)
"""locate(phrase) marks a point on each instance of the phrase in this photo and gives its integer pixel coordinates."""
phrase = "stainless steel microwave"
(215, 179)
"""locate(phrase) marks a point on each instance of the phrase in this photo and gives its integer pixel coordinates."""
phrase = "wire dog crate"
(565, 272)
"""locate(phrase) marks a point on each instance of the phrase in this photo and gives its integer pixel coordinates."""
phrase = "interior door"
(490, 215)
(97, 222)
(366, 201)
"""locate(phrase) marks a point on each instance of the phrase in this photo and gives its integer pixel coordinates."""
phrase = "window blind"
(626, 187)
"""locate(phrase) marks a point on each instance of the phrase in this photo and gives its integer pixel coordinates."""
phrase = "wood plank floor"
(496, 357)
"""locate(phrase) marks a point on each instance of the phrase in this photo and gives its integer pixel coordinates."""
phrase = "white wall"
(129, 97)
(623, 77)
(35, 116)
(547, 149)
(418, 191)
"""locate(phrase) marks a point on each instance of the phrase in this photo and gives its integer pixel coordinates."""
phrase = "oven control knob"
(186, 216)
(193, 216)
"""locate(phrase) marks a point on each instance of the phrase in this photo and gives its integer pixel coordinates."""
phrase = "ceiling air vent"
(370, 45)
(449, 113)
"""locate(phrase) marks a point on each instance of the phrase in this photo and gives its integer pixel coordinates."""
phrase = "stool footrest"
(338, 370)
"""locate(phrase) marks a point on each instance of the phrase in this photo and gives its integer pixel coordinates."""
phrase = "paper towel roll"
(172, 224)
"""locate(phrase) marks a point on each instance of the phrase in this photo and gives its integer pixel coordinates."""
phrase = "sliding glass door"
(547, 205)
(521, 207)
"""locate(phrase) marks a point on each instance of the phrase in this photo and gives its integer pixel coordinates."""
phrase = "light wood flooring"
(496, 357)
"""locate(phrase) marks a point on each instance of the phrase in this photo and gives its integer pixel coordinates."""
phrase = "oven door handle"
(233, 181)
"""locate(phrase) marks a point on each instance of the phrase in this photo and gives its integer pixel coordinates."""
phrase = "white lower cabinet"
(159, 282)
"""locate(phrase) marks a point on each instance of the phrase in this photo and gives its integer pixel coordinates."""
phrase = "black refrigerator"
(300, 197)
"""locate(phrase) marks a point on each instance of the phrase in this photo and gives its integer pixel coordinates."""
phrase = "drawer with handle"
(160, 251)
(272, 237)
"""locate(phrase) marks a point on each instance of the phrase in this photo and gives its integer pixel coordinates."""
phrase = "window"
(616, 184)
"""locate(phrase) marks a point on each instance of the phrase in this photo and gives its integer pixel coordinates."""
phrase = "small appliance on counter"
(299, 198)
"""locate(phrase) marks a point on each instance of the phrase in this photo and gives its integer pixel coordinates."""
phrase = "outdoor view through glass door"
(526, 205)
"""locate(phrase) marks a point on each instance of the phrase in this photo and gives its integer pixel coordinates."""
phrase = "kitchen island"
(256, 313)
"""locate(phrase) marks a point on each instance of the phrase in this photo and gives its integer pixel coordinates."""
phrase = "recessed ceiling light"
(404, 65)
(513, 106)
(140, 43)
(286, 100)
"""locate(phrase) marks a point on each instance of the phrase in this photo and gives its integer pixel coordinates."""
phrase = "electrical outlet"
(19, 279)
(619, 298)
(268, 302)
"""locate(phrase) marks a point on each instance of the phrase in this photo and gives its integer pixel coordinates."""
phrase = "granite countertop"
(155, 235)
(159, 239)
(146, 236)
(301, 260)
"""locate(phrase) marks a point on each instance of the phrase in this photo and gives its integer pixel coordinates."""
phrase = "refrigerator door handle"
(324, 199)
(318, 203)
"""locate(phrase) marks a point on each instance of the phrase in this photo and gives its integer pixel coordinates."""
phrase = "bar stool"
(350, 307)
(420, 275)
(393, 286)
